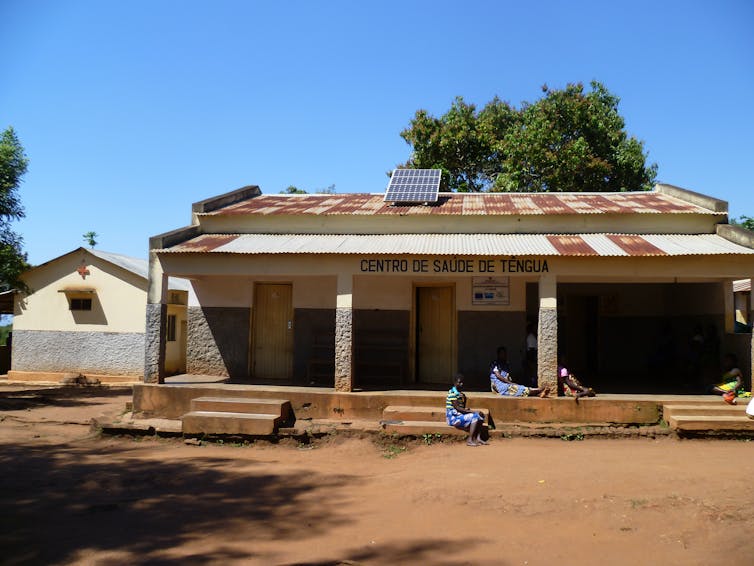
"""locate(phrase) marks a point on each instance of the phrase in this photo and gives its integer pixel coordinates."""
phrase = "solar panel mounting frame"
(414, 186)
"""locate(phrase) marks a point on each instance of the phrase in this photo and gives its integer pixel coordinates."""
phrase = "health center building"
(355, 292)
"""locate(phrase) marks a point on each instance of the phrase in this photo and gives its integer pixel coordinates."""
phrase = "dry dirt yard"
(69, 496)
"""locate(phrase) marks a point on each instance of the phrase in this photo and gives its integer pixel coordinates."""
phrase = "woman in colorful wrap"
(733, 381)
(457, 415)
(501, 382)
(569, 386)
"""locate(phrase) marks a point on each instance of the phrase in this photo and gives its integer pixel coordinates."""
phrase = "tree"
(90, 238)
(13, 164)
(568, 140)
(293, 190)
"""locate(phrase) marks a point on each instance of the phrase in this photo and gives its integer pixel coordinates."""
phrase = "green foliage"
(293, 190)
(90, 238)
(429, 438)
(569, 140)
(4, 331)
(746, 222)
(392, 450)
(13, 164)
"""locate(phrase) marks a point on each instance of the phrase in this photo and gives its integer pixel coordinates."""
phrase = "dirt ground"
(68, 496)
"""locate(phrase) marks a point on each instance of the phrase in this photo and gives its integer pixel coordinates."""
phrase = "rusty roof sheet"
(634, 245)
(467, 204)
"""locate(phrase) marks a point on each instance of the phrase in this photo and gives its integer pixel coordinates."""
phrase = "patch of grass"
(429, 438)
(636, 503)
(572, 436)
(392, 450)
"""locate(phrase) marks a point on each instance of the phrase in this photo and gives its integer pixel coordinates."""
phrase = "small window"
(81, 304)
(171, 328)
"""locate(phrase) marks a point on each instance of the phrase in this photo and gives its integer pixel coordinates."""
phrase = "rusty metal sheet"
(606, 245)
(635, 245)
(204, 243)
(571, 245)
(466, 204)
(551, 204)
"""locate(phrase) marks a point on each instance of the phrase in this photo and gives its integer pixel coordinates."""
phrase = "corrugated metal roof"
(742, 286)
(468, 204)
(137, 266)
(465, 244)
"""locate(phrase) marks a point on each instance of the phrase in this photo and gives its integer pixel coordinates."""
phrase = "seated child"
(569, 386)
(733, 381)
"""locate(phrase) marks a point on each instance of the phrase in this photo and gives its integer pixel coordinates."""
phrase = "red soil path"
(70, 497)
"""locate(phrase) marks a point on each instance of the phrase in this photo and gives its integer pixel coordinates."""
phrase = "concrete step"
(418, 428)
(222, 422)
(278, 407)
(719, 409)
(712, 424)
(409, 413)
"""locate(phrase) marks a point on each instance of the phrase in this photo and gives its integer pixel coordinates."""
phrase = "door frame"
(253, 323)
(412, 336)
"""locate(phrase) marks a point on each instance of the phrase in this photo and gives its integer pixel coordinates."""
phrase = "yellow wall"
(742, 305)
(118, 304)
(470, 224)
(287, 266)
(175, 351)
(313, 292)
(395, 292)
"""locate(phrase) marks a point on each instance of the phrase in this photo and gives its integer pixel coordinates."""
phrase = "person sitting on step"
(568, 385)
(733, 381)
(458, 416)
(501, 382)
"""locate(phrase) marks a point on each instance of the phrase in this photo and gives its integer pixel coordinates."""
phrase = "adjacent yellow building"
(85, 314)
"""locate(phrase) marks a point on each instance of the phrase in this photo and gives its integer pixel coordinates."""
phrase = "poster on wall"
(490, 291)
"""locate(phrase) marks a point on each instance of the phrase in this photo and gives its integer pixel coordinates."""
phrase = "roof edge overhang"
(174, 237)
(736, 234)
(699, 199)
(225, 199)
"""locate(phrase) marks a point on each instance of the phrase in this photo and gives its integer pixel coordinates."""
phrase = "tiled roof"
(467, 204)
(636, 245)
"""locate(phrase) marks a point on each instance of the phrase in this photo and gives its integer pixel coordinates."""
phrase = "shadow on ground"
(57, 397)
(438, 552)
(57, 502)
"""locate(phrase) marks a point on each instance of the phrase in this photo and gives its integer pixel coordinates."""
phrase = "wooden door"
(272, 356)
(435, 332)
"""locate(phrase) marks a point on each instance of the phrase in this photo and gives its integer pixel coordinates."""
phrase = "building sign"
(454, 265)
(490, 291)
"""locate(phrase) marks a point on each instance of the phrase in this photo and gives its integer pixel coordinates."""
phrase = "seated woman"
(733, 381)
(457, 415)
(569, 386)
(501, 382)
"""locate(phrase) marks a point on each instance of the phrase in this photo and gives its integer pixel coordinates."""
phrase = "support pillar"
(344, 334)
(547, 333)
(157, 311)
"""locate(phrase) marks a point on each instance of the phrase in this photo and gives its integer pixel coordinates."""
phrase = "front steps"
(417, 421)
(235, 416)
(712, 418)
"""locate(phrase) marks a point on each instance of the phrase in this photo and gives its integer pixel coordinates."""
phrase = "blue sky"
(131, 111)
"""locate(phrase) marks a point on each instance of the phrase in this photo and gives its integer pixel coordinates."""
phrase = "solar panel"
(413, 185)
